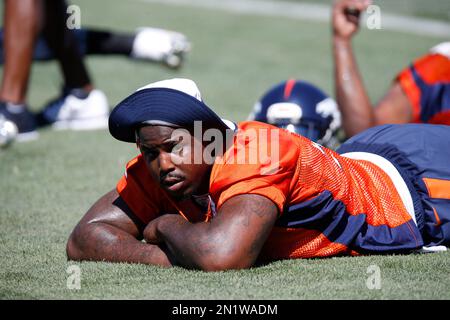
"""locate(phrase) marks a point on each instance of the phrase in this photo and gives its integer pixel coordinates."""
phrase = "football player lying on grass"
(206, 194)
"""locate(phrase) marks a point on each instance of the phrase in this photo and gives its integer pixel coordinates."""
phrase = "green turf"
(47, 185)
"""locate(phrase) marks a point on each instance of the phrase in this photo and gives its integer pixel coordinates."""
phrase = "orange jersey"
(426, 84)
(328, 204)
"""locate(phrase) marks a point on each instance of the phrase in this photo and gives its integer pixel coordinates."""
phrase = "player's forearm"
(351, 96)
(197, 246)
(186, 242)
(102, 242)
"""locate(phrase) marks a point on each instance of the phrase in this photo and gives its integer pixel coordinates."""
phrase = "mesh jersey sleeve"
(262, 160)
(140, 193)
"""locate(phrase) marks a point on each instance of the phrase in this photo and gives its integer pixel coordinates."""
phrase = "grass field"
(47, 185)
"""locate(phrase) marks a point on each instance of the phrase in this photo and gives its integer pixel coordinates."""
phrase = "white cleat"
(160, 45)
(75, 113)
(8, 132)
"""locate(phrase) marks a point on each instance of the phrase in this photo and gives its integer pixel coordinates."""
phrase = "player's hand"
(151, 232)
(345, 17)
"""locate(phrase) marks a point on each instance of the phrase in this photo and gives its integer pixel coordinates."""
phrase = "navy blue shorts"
(421, 153)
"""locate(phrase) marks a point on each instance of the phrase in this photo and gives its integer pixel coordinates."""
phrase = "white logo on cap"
(184, 85)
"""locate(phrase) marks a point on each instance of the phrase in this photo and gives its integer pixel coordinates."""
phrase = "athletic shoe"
(8, 132)
(160, 45)
(77, 109)
(24, 120)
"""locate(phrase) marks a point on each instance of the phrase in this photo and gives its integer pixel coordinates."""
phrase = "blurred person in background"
(80, 105)
(37, 29)
(157, 45)
(420, 93)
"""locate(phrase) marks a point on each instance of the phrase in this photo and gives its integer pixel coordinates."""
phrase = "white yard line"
(313, 12)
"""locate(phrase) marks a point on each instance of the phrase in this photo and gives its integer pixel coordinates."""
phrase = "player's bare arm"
(351, 96)
(357, 111)
(108, 233)
(231, 240)
(394, 107)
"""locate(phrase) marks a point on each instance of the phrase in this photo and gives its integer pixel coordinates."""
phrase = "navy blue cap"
(160, 105)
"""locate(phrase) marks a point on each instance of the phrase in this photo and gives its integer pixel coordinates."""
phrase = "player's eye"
(150, 154)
